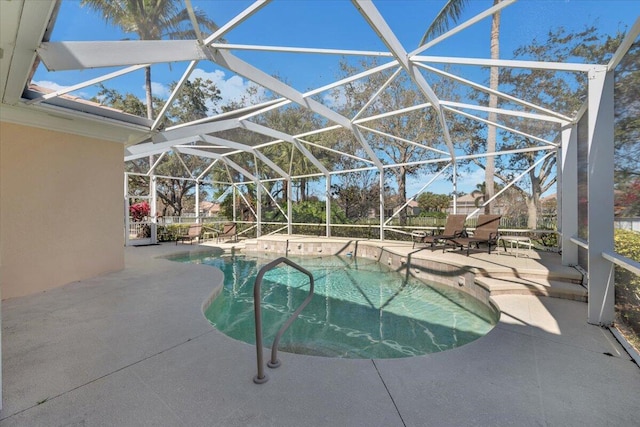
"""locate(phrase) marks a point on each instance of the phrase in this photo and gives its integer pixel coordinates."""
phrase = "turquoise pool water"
(361, 309)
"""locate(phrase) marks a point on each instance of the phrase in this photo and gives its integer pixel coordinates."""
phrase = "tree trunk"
(493, 103)
(533, 201)
(147, 85)
(402, 192)
(532, 213)
(303, 189)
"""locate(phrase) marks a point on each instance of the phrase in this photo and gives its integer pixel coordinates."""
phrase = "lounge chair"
(229, 230)
(454, 227)
(192, 234)
(486, 232)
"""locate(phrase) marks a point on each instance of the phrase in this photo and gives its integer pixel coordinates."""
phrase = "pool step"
(560, 274)
(530, 286)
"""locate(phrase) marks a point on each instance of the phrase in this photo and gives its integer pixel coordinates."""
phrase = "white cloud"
(467, 182)
(56, 87)
(159, 90)
(49, 85)
(232, 89)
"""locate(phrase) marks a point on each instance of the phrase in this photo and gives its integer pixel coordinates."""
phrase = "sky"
(337, 24)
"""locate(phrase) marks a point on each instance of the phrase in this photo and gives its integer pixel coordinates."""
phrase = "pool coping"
(480, 275)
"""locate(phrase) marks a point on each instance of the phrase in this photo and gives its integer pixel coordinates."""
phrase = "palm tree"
(451, 12)
(478, 194)
(150, 20)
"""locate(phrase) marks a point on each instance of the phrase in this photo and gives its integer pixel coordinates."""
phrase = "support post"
(127, 217)
(197, 207)
(600, 195)
(153, 209)
(327, 178)
(289, 207)
(568, 194)
(258, 209)
(455, 187)
(381, 185)
(233, 186)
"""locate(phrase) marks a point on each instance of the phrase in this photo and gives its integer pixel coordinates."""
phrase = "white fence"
(632, 224)
(545, 224)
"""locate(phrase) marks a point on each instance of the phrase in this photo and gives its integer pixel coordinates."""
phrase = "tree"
(150, 20)
(479, 194)
(128, 102)
(314, 212)
(451, 12)
(195, 101)
(178, 195)
(627, 115)
(627, 101)
(294, 120)
(431, 202)
(175, 194)
(415, 130)
(357, 194)
(290, 119)
(243, 210)
(628, 199)
(511, 201)
(561, 92)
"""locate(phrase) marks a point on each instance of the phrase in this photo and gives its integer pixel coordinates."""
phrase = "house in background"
(412, 208)
(467, 204)
(209, 209)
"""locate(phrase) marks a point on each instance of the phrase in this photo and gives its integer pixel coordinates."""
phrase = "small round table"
(517, 241)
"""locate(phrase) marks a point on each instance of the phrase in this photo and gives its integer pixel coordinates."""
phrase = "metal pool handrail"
(261, 377)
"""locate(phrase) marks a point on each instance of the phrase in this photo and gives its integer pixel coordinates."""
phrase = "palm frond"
(450, 13)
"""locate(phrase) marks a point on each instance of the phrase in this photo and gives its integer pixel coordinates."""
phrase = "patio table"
(514, 243)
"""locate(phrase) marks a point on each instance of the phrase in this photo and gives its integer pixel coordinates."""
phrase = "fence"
(544, 223)
(632, 224)
(139, 230)
(369, 228)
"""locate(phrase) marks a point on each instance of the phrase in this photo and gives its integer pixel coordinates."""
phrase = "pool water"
(361, 308)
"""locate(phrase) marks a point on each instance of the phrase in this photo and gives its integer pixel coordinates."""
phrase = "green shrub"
(170, 232)
(627, 243)
(627, 290)
(432, 214)
(547, 240)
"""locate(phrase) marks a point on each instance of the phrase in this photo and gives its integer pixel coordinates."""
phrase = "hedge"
(170, 232)
(627, 290)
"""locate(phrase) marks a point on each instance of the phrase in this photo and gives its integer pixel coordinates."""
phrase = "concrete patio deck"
(133, 348)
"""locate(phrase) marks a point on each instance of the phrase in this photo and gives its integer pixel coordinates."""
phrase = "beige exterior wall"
(61, 209)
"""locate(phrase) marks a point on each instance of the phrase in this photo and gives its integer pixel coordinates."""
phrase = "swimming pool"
(361, 308)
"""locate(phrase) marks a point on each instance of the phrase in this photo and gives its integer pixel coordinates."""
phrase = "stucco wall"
(61, 209)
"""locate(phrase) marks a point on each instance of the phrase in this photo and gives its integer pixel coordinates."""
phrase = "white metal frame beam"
(220, 157)
(246, 148)
(479, 17)
(600, 307)
(285, 137)
(499, 94)
(258, 76)
(503, 127)
(249, 11)
(510, 63)
(380, 26)
(567, 198)
(20, 38)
